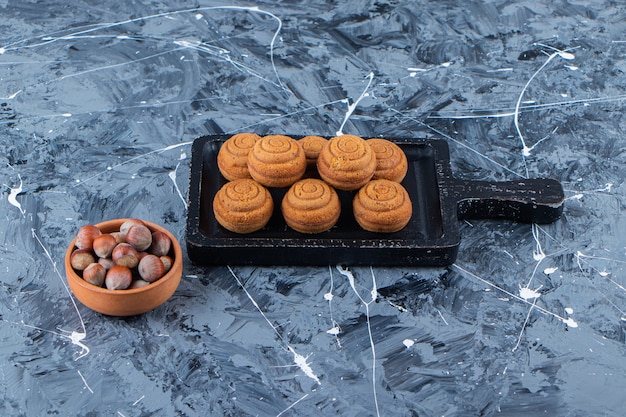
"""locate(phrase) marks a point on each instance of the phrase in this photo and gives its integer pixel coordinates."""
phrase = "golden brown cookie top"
(276, 161)
(312, 146)
(311, 206)
(347, 162)
(382, 206)
(391, 161)
(232, 158)
(243, 206)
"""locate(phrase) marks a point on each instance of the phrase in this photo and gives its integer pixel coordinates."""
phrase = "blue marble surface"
(100, 102)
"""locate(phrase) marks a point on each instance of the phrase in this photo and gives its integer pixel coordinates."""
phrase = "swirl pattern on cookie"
(243, 206)
(311, 206)
(312, 146)
(276, 161)
(347, 162)
(232, 158)
(391, 161)
(382, 206)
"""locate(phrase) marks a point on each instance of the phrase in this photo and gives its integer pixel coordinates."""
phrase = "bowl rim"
(107, 224)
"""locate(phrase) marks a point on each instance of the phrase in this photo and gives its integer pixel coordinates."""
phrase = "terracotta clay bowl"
(127, 302)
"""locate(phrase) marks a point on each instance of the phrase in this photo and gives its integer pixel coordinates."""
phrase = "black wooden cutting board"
(430, 239)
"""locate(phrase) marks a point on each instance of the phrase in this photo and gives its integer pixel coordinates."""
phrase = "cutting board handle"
(528, 200)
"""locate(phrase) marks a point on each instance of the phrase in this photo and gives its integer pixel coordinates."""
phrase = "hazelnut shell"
(151, 268)
(86, 235)
(139, 236)
(94, 274)
(81, 258)
(118, 278)
(103, 245)
(125, 255)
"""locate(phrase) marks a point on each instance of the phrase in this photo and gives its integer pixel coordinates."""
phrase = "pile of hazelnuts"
(132, 257)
